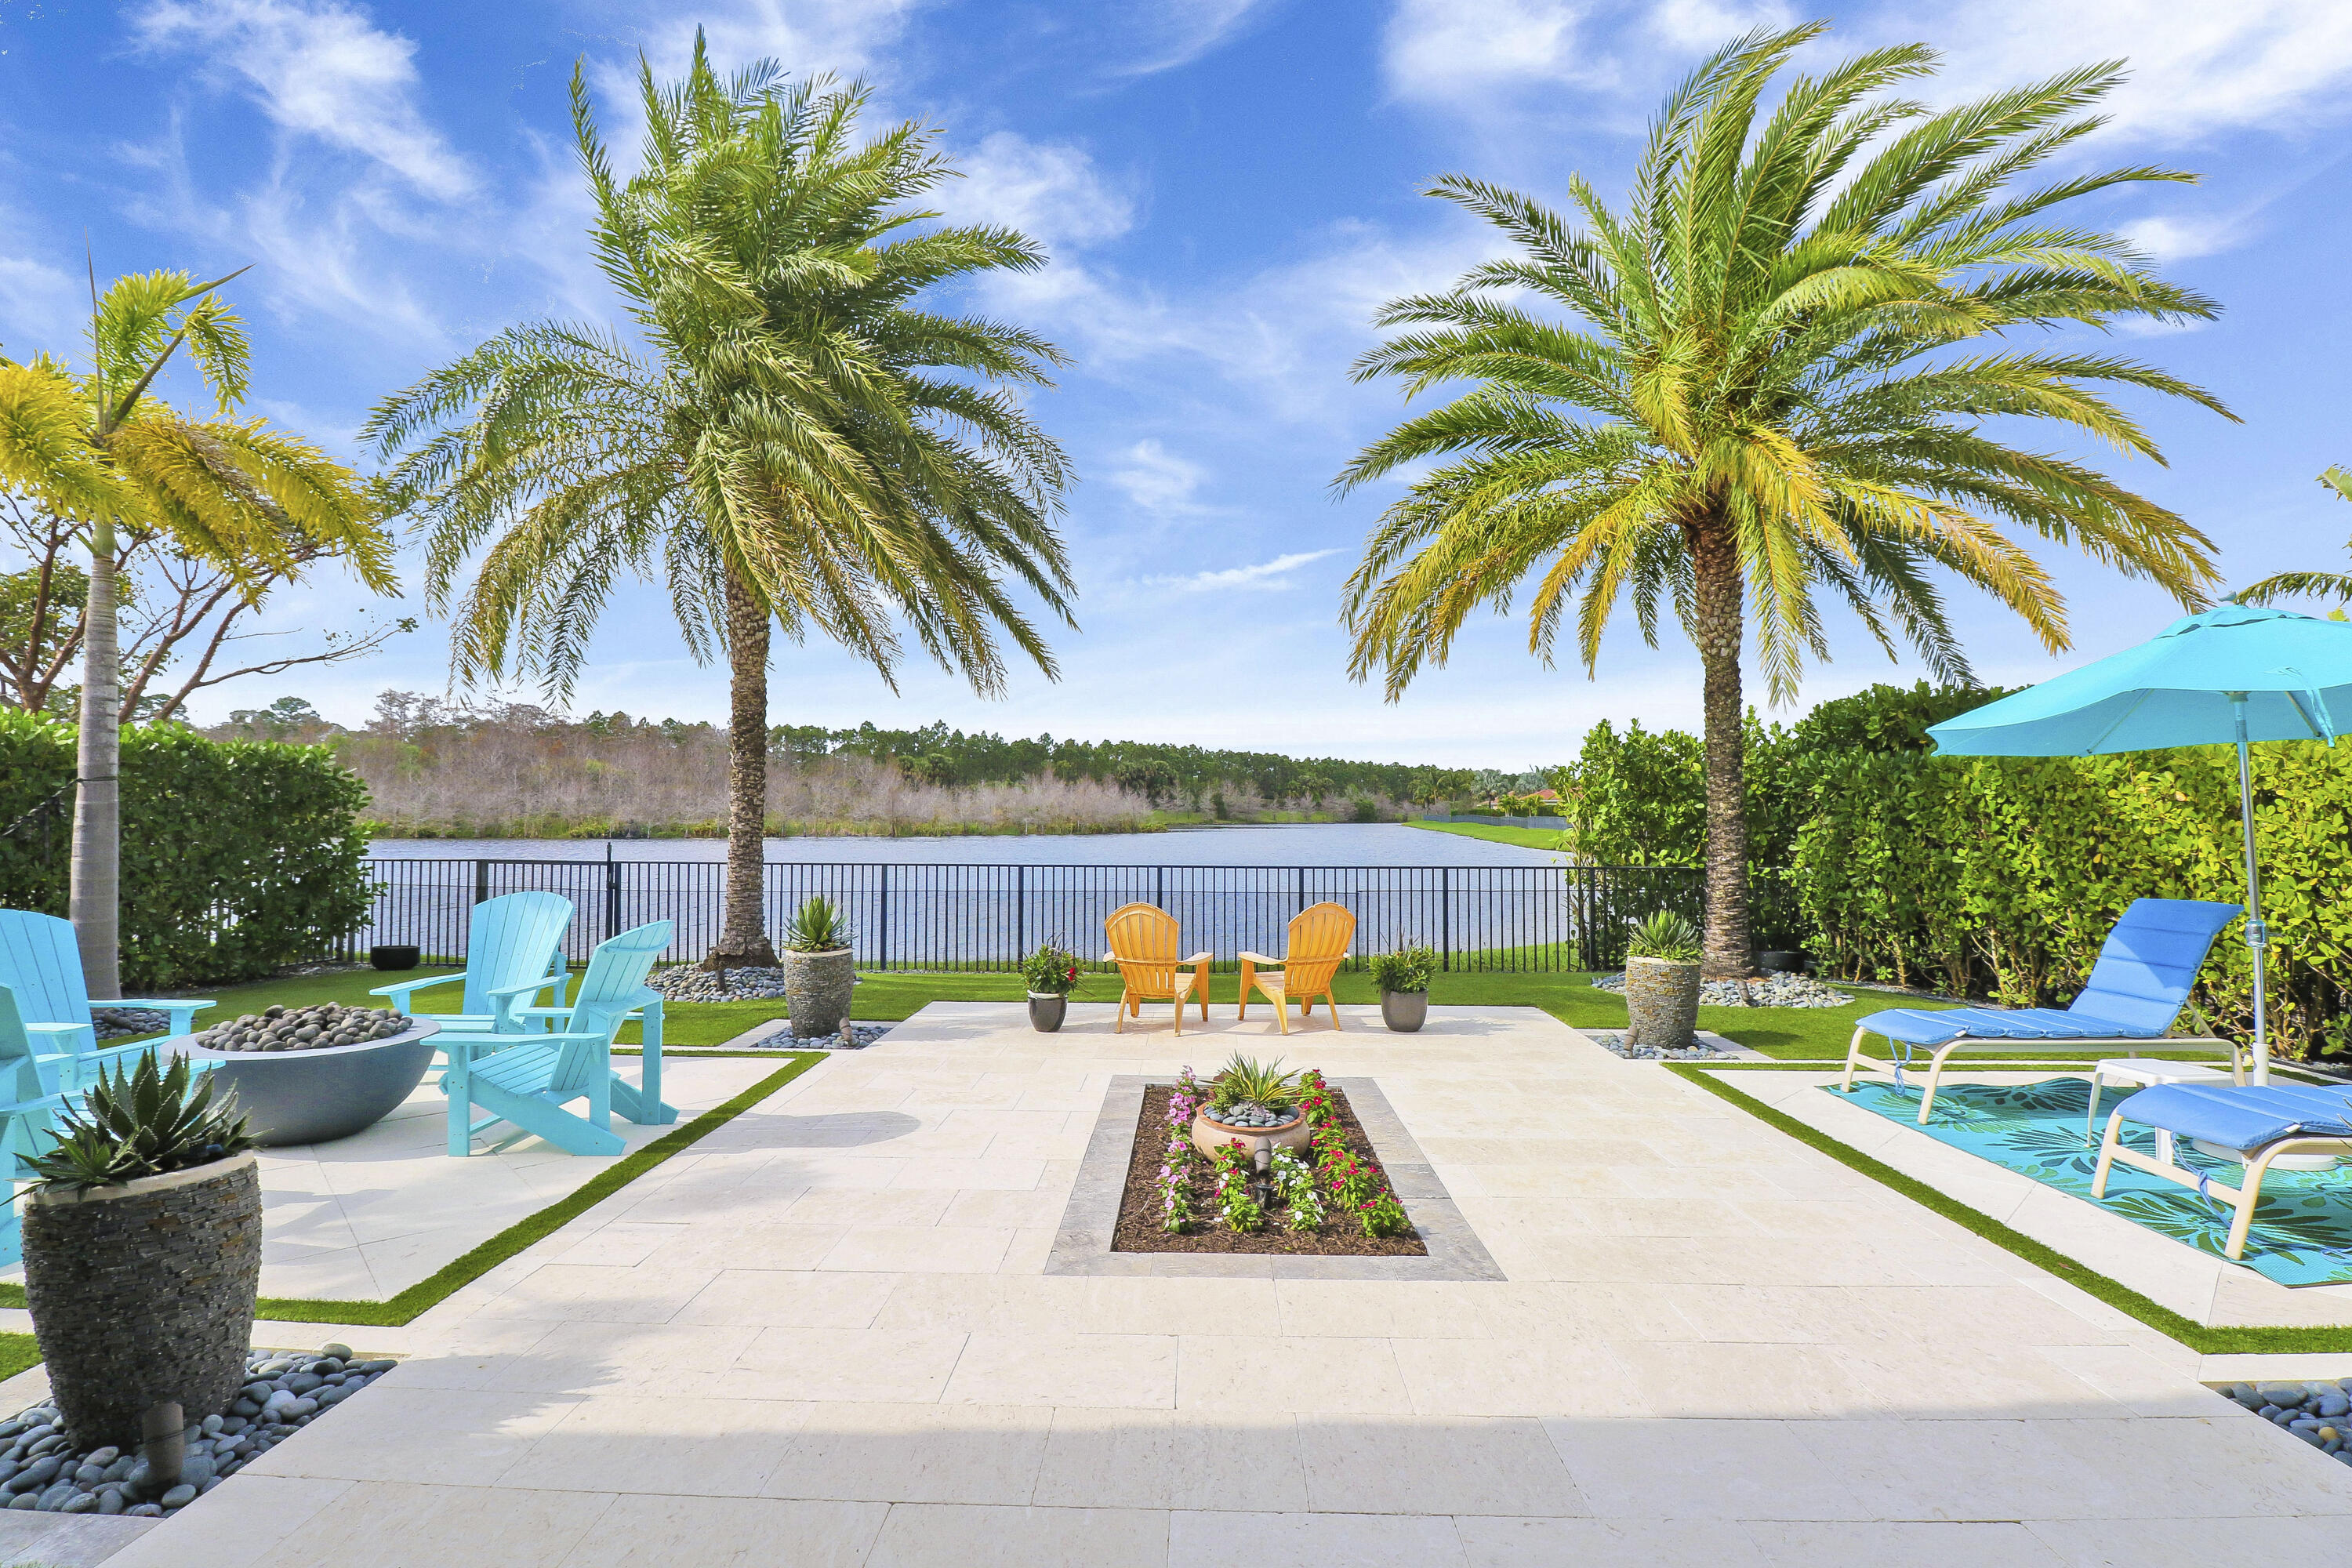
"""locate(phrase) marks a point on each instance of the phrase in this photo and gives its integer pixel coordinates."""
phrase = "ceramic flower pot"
(1662, 1003)
(1209, 1135)
(816, 990)
(395, 955)
(143, 1292)
(1046, 1010)
(1404, 1011)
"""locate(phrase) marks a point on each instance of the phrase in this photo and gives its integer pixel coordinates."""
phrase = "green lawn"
(1525, 837)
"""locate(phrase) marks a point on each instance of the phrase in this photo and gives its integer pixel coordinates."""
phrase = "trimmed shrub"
(238, 857)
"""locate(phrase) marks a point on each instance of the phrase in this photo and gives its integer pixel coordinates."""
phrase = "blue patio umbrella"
(2232, 676)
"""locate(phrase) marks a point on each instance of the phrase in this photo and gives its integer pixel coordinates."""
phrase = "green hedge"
(1999, 877)
(238, 857)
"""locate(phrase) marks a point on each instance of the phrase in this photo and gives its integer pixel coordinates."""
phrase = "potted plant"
(818, 970)
(143, 1251)
(1404, 979)
(1051, 974)
(1662, 983)
(1254, 1104)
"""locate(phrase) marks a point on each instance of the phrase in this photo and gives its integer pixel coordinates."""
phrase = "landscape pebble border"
(41, 1471)
(1784, 990)
(2319, 1411)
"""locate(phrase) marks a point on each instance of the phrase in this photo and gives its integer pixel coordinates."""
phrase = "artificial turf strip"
(463, 1270)
(2201, 1338)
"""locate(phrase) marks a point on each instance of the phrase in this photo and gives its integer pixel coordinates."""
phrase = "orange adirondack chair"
(1142, 940)
(1318, 941)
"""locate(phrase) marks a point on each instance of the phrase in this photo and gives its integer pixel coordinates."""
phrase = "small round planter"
(1046, 1011)
(143, 1292)
(1662, 1003)
(317, 1096)
(816, 990)
(1209, 1135)
(1404, 1011)
(395, 955)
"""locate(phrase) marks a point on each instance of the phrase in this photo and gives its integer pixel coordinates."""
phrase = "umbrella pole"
(2258, 936)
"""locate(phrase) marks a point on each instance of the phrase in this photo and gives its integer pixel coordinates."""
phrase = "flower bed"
(1335, 1200)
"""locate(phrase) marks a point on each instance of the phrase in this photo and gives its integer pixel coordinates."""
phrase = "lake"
(1318, 843)
(980, 903)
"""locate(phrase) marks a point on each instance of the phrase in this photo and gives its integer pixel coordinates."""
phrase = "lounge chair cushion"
(2241, 1118)
(1918, 1027)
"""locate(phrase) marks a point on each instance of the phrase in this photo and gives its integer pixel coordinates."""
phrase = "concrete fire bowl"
(316, 1097)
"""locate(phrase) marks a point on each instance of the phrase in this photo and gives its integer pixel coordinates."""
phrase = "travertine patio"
(825, 1336)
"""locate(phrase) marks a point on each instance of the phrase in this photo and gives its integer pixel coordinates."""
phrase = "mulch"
(1140, 1213)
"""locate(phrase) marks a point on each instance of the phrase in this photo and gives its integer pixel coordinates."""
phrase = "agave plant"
(1666, 935)
(818, 927)
(141, 1121)
(1245, 1080)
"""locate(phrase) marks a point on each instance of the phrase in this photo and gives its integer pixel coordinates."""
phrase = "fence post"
(1445, 917)
(611, 895)
(1302, 890)
(886, 914)
(482, 881)
(1020, 913)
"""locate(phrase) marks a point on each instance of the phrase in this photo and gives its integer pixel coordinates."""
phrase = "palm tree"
(1758, 408)
(791, 441)
(103, 449)
(2327, 584)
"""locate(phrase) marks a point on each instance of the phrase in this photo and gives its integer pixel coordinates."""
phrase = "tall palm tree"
(2327, 584)
(103, 449)
(1772, 395)
(790, 441)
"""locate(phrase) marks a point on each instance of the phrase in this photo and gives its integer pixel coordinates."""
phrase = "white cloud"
(1050, 191)
(323, 70)
(2182, 238)
(2196, 69)
(1265, 576)
(43, 308)
(809, 38)
(1177, 32)
(1156, 479)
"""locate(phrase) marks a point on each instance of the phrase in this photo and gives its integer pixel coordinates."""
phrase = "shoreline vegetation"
(437, 769)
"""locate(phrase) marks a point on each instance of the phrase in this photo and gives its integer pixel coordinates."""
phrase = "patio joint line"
(1090, 1226)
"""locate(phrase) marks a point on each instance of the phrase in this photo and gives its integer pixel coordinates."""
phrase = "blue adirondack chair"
(530, 1081)
(33, 1089)
(513, 944)
(2135, 990)
(41, 963)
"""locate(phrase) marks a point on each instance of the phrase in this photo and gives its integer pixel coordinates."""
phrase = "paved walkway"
(827, 1338)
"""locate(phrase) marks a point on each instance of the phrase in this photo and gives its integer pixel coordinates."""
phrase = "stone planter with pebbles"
(1662, 1003)
(816, 990)
(45, 1468)
(142, 1292)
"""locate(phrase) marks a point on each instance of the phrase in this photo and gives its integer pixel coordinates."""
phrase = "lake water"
(1321, 844)
(983, 901)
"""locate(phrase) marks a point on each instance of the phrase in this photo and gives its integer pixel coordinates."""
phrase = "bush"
(1408, 969)
(239, 857)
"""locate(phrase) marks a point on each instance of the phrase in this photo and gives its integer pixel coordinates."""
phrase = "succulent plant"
(1665, 936)
(141, 1121)
(1245, 1080)
(817, 927)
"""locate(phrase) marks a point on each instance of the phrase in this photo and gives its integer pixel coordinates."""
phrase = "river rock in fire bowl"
(1250, 1125)
(310, 1075)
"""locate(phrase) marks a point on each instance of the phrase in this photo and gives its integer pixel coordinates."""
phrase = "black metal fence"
(1546, 918)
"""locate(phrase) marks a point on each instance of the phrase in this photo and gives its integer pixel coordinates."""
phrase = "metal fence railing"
(979, 917)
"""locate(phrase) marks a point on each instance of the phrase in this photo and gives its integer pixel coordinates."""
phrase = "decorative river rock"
(309, 1028)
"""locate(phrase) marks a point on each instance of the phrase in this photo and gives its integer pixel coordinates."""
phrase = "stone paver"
(827, 1337)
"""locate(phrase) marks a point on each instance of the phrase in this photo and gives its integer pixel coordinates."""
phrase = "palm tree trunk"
(1719, 627)
(743, 934)
(95, 897)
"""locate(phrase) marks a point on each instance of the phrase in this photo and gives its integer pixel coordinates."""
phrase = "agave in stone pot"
(818, 970)
(1662, 964)
(143, 1251)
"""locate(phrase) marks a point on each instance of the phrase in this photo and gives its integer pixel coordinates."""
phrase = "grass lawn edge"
(470, 1266)
(2204, 1339)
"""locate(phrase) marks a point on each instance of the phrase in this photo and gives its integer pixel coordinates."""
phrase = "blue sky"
(1229, 188)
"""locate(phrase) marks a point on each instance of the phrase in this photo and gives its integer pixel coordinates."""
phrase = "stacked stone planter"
(816, 990)
(1662, 1003)
(143, 1292)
